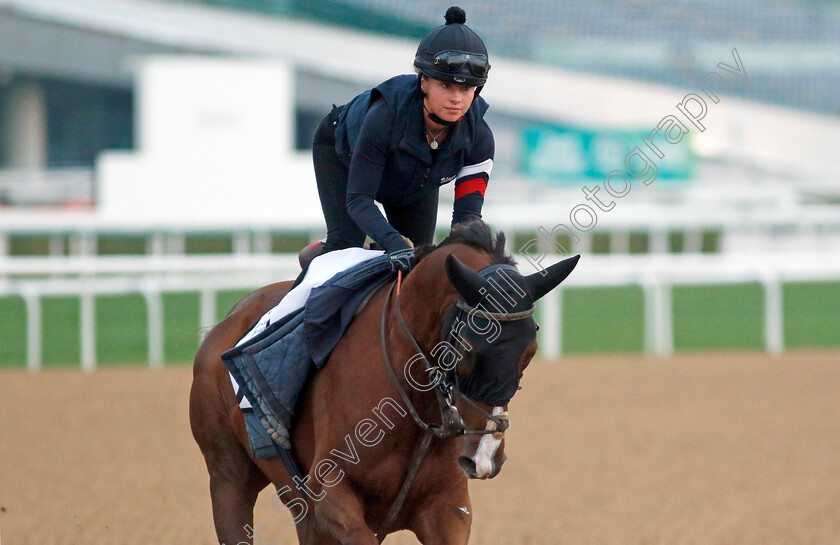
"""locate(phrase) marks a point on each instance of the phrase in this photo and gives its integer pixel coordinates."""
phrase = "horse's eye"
(538, 326)
(467, 364)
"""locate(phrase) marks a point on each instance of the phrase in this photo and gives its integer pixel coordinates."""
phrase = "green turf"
(605, 320)
(12, 332)
(710, 242)
(121, 329)
(602, 320)
(812, 314)
(290, 242)
(29, 245)
(135, 244)
(121, 245)
(718, 317)
(639, 243)
(676, 241)
(180, 326)
(601, 243)
(225, 301)
(524, 240)
(208, 244)
(61, 327)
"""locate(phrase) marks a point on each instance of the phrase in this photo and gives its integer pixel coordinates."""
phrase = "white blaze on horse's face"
(487, 448)
(487, 460)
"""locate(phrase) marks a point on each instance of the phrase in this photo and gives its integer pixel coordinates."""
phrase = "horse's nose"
(498, 467)
(474, 470)
(467, 466)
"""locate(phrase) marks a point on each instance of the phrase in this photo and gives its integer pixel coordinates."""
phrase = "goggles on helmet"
(454, 61)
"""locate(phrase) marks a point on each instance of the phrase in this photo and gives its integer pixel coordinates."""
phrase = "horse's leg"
(447, 526)
(235, 481)
(218, 426)
(309, 534)
(445, 519)
(234, 487)
(339, 519)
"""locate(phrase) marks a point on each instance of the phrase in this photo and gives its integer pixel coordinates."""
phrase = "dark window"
(83, 120)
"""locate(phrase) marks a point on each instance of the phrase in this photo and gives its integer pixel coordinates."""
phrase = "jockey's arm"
(366, 169)
(473, 177)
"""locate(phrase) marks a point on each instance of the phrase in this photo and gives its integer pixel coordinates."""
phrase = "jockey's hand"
(402, 260)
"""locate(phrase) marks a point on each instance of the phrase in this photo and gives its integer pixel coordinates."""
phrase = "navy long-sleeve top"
(380, 135)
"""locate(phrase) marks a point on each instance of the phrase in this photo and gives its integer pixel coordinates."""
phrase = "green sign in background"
(568, 154)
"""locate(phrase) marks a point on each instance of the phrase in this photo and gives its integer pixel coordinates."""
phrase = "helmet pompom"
(455, 15)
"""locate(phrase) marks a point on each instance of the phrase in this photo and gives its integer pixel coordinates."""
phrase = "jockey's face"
(449, 101)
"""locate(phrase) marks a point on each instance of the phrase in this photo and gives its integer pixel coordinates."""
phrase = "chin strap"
(438, 120)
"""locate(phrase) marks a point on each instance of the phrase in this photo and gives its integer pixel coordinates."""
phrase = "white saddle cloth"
(320, 270)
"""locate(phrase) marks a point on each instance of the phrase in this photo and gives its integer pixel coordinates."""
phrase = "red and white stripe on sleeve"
(473, 178)
(469, 190)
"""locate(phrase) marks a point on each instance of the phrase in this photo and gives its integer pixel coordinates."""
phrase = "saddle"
(271, 364)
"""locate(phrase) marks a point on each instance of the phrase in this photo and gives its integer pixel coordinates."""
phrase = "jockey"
(399, 142)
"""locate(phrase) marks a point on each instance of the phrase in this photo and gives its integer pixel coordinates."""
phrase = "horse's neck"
(424, 298)
(421, 299)
(427, 292)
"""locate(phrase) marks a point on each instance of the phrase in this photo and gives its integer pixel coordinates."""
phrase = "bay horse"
(387, 440)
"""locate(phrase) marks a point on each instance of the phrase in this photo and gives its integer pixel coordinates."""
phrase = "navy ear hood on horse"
(454, 53)
(475, 286)
(489, 372)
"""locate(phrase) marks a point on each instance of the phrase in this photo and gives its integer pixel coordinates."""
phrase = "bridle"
(446, 389)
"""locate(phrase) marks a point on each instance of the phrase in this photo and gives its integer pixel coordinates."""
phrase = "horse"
(411, 404)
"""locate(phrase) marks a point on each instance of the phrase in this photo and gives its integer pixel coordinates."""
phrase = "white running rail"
(86, 277)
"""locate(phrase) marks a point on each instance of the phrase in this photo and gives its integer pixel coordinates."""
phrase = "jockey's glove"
(401, 260)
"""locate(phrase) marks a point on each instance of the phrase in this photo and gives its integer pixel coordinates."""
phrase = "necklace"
(434, 144)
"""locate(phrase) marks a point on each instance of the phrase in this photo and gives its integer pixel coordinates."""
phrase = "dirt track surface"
(730, 449)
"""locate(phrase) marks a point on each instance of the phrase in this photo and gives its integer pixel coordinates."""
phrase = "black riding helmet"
(453, 53)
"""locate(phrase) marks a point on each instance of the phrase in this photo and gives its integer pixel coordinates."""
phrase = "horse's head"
(491, 337)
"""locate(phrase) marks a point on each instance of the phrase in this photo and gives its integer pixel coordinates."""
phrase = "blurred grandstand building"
(145, 111)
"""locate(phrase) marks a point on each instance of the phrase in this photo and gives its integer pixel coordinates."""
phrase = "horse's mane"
(477, 234)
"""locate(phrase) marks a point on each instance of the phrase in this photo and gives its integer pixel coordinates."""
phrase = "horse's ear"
(543, 282)
(466, 281)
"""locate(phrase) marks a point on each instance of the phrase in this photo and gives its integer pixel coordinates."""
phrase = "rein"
(452, 425)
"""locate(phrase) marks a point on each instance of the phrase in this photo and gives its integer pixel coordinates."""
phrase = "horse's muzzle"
(469, 468)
